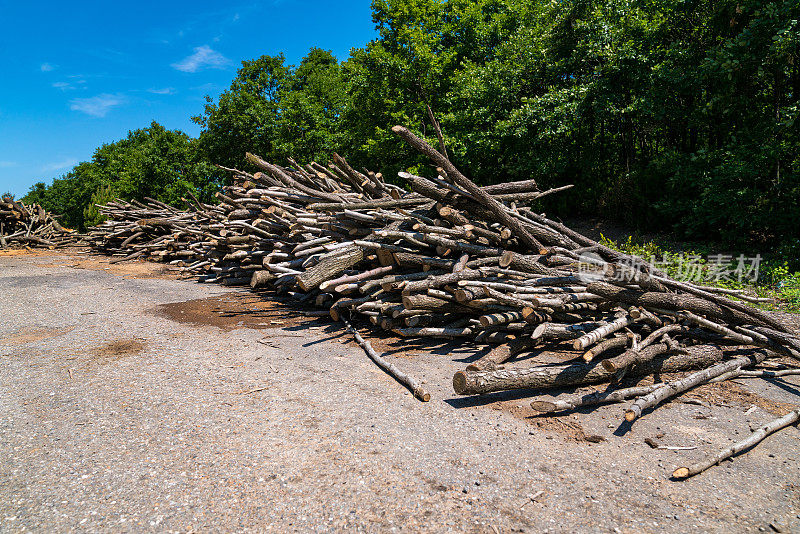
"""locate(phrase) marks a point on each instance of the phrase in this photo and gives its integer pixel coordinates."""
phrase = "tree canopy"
(150, 162)
(673, 114)
(276, 111)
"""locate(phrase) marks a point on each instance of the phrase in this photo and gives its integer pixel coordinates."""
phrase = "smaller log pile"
(449, 259)
(152, 230)
(30, 225)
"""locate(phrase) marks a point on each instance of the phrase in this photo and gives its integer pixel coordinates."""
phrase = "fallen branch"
(411, 383)
(751, 441)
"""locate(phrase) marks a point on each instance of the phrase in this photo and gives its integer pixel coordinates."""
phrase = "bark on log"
(670, 389)
(330, 266)
(484, 198)
(620, 342)
(479, 382)
(570, 402)
(669, 301)
(503, 353)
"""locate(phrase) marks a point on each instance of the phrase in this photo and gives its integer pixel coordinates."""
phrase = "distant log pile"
(29, 225)
(449, 259)
(152, 230)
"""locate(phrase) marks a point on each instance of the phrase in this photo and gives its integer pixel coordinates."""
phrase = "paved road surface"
(133, 401)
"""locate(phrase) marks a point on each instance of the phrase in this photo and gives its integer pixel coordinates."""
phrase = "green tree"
(243, 117)
(307, 123)
(276, 111)
(91, 213)
(662, 113)
(150, 162)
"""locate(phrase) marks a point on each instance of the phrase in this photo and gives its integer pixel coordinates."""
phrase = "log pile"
(153, 230)
(449, 259)
(30, 225)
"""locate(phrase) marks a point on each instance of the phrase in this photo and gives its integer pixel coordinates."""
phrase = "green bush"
(91, 214)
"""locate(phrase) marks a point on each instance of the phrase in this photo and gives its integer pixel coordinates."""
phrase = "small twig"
(254, 390)
(654, 444)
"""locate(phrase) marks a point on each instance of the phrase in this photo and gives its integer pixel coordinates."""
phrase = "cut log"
(330, 266)
(479, 382)
(670, 389)
(499, 211)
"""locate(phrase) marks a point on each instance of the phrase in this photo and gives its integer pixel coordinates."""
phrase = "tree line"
(669, 114)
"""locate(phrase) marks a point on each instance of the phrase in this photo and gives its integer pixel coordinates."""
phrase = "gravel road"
(134, 401)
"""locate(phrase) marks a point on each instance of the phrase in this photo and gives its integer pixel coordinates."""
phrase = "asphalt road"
(133, 401)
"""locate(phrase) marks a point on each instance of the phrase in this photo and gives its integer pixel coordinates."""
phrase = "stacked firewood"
(450, 259)
(30, 225)
(153, 230)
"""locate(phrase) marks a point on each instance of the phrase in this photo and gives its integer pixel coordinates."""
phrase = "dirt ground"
(131, 400)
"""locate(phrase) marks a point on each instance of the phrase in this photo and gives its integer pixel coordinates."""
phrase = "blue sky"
(79, 74)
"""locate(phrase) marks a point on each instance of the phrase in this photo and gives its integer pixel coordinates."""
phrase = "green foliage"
(276, 111)
(666, 115)
(150, 162)
(103, 195)
(776, 279)
(689, 265)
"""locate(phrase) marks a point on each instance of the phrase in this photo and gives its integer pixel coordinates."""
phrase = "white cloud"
(8, 164)
(163, 91)
(97, 106)
(58, 165)
(76, 81)
(47, 67)
(203, 57)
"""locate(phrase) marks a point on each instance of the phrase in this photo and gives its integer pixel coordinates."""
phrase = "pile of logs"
(153, 230)
(449, 259)
(30, 225)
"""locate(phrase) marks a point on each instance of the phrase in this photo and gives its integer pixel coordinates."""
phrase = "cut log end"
(539, 331)
(422, 395)
(630, 416)
(303, 286)
(681, 473)
(589, 356)
(460, 382)
(609, 366)
(543, 406)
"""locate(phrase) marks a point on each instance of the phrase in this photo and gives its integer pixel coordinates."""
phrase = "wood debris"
(449, 259)
(30, 225)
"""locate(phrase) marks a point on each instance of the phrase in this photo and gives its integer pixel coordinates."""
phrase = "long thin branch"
(410, 382)
(751, 441)
(675, 387)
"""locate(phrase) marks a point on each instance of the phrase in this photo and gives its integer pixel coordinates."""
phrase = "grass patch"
(766, 277)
